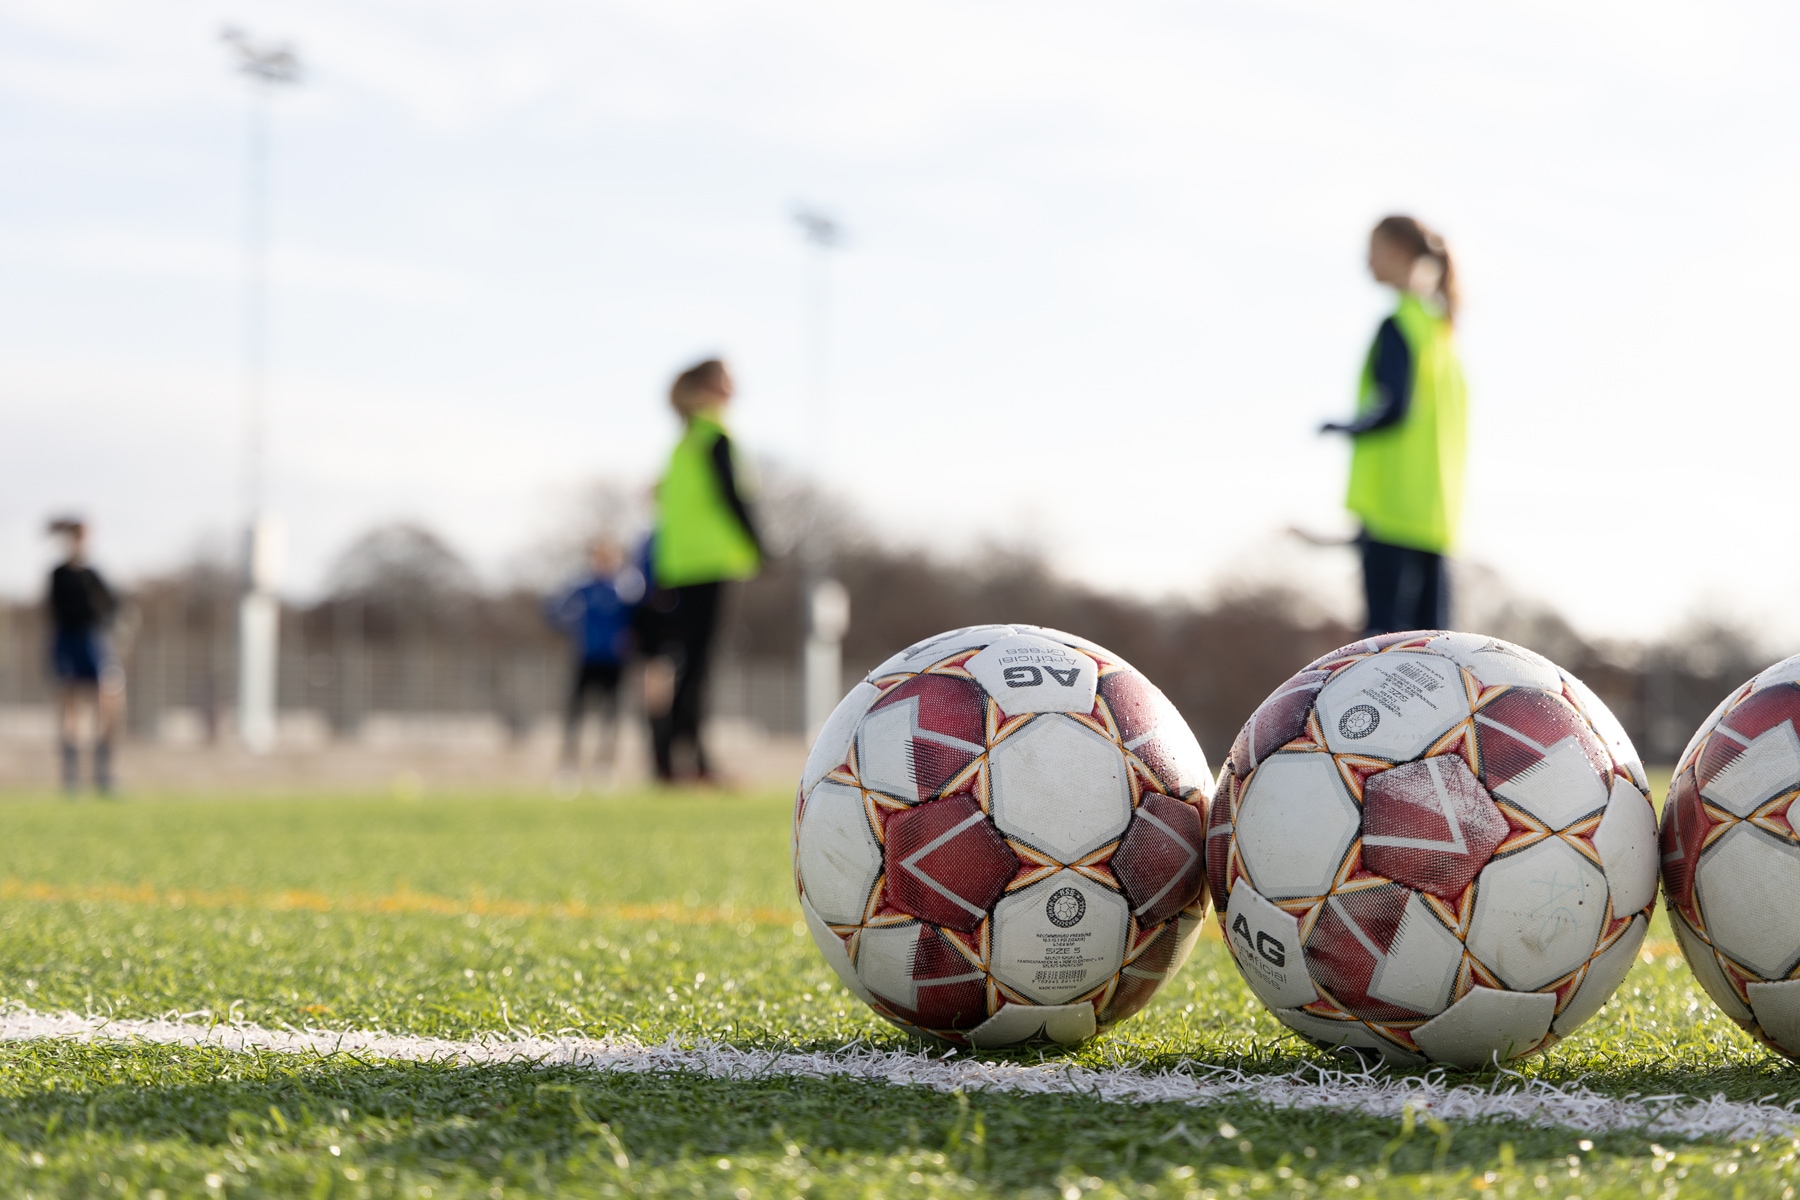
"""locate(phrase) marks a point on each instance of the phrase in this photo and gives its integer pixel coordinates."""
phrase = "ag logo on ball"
(1065, 907)
(1030, 674)
(1267, 946)
(1360, 721)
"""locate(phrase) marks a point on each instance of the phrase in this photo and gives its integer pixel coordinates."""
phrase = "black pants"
(1404, 589)
(685, 619)
(602, 679)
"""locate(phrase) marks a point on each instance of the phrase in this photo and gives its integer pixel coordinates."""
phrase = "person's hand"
(1334, 427)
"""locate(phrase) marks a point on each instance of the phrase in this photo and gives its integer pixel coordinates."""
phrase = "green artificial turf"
(655, 918)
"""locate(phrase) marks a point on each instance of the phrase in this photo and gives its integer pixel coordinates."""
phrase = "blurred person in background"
(595, 613)
(82, 610)
(1408, 438)
(705, 537)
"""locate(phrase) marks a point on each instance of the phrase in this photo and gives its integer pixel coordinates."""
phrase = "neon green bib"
(699, 539)
(1406, 480)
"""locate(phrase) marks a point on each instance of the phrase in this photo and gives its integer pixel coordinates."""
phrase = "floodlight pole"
(266, 66)
(827, 600)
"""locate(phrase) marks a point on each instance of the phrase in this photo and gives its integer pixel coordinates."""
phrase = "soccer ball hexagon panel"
(1432, 847)
(999, 838)
(1731, 855)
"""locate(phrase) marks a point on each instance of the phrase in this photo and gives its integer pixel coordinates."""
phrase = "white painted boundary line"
(1511, 1098)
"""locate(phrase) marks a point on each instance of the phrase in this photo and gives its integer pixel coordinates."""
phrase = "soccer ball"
(1731, 856)
(1433, 847)
(998, 838)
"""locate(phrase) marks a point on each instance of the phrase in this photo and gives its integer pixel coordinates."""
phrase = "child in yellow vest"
(705, 537)
(1409, 435)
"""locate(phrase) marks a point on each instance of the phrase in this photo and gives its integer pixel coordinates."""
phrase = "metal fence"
(182, 683)
(337, 683)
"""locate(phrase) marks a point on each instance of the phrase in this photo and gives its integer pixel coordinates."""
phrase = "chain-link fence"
(182, 682)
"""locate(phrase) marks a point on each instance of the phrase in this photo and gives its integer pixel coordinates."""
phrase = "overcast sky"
(1104, 272)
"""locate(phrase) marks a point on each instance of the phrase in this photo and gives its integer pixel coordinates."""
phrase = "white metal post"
(828, 619)
(259, 629)
(827, 600)
(259, 611)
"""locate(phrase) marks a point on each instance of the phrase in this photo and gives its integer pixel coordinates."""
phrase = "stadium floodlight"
(267, 66)
(827, 600)
(818, 229)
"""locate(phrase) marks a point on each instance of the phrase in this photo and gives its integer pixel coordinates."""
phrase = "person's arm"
(563, 611)
(54, 603)
(628, 585)
(105, 601)
(721, 459)
(1392, 369)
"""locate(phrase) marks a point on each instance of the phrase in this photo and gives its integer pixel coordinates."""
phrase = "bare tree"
(600, 508)
(404, 575)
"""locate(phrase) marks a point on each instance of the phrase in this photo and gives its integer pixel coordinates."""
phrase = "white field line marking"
(1373, 1093)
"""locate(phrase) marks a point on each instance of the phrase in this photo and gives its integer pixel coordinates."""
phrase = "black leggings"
(1405, 589)
(601, 678)
(687, 618)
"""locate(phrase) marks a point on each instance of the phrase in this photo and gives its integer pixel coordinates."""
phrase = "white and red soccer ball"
(998, 838)
(1731, 856)
(1433, 847)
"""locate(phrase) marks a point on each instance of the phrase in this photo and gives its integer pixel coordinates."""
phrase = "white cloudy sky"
(1104, 277)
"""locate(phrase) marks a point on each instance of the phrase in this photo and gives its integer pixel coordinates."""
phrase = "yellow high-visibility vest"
(699, 538)
(1406, 481)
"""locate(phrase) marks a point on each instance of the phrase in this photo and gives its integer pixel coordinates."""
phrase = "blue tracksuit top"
(595, 614)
